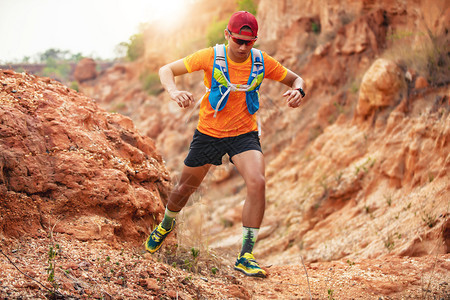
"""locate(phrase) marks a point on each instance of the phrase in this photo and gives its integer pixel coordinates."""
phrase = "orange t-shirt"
(234, 119)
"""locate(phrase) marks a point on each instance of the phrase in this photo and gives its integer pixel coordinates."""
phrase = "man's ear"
(226, 34)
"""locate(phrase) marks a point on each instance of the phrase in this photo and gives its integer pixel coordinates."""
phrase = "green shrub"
(150, 83)
(215, 34)
(56, 69)
(438, 61)
(315, 27)
(136, 47)
(74, 86)
(429, 57)
(247, 5)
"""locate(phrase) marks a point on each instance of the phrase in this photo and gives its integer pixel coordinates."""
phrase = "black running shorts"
(206, 149)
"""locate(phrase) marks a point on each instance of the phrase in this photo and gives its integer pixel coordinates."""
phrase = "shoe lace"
(251, 259)
(157, 235)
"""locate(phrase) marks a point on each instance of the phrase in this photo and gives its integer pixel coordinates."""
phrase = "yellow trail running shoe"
(248, 265)
(156, 238)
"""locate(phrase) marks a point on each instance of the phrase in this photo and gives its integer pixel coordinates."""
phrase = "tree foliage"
(150, 83)
(248, 5)
(56, 69)
(57, 63)
(136, 47)
(215, 34)
(57, 55)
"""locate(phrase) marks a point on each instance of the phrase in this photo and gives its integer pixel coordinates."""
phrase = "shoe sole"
(259, 274)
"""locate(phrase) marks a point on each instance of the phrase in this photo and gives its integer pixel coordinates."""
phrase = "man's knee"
(257, 183)
(180, 195)
(184, 189)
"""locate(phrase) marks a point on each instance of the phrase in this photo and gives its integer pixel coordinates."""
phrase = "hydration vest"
(221, 85)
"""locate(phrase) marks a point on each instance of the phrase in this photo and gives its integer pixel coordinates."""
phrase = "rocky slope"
(68, 165)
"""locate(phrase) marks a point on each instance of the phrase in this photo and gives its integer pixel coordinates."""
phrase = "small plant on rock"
(52, 253)
(429, 219)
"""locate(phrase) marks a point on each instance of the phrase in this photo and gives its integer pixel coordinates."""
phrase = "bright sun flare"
(167, 11)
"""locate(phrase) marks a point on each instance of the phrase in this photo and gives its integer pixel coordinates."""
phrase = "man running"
(227, 125)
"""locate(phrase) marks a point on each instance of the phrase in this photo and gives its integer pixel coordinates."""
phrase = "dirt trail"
(84, 270)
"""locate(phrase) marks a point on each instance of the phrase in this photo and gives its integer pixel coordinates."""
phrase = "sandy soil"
(95, 270)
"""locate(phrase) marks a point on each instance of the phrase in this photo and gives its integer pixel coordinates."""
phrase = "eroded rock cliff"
(67, 164)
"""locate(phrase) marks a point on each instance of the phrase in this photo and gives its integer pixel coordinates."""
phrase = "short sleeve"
(273, 69)
(199, 60)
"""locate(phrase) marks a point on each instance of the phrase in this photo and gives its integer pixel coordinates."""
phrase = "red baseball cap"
(240, 19)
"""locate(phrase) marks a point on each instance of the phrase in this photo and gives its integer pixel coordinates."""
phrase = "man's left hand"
(294, 98)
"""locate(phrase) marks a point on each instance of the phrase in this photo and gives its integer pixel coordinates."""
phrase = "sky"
(91, 27)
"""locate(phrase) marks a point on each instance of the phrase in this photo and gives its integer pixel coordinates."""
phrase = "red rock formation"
(383, 85)
(68, 165)
(85, 70)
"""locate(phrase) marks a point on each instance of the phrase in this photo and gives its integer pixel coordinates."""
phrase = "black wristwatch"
(301, 92)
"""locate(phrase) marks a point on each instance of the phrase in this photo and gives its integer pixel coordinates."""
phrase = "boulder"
(85, 70)
(421, 83)
(381, 86)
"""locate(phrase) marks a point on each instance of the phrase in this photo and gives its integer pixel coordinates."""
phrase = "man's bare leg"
(190, 180)
(250, 165)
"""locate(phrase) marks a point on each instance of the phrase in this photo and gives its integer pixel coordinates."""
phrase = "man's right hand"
(167, 75)
(184, 99)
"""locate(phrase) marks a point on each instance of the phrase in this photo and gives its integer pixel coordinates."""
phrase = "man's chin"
(243, 54)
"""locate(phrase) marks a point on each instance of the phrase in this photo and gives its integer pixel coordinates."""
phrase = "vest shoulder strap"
(220, 63)
(257, 55)
(257, 62)
(220, 57)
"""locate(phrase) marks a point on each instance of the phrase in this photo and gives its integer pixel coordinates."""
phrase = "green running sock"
(248, 239)
(168, 219)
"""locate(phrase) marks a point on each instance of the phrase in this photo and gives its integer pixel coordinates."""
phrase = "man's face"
(239, 45)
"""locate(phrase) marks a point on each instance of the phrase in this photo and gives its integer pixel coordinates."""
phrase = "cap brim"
(249, 37)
